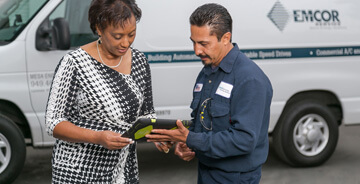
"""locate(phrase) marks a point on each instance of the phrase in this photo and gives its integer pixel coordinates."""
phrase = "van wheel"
(307, 134)
(12, 150)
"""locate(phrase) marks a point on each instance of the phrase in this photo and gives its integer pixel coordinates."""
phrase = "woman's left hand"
(163, 146)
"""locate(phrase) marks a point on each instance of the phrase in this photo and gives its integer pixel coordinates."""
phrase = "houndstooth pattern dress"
(94, 96)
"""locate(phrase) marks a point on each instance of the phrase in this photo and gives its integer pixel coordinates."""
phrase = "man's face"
(206, 46)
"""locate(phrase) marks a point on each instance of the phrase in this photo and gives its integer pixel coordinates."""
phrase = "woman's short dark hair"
(103, 13)
(215, 16)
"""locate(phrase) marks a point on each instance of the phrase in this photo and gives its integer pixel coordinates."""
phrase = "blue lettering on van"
(176, 56)
(317, 15)
(280, 16)
(284, 53)
(259, 54)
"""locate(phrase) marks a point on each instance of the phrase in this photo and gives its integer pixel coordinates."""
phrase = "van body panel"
(37, 132)
(14, 88)
(351, 109)
(289, 78)
(13, 59)
(40, 70)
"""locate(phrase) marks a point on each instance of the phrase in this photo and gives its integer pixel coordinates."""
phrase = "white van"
(309, 49)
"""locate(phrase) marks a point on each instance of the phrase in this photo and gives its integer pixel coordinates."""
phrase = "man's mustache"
(203, 56)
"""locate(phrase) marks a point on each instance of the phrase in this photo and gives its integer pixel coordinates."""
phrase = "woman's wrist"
(95, 137)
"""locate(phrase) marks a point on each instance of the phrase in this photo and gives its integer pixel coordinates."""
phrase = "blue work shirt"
(231, 109)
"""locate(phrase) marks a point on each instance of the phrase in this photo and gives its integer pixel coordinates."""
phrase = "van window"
(76, 14)
(15, 15)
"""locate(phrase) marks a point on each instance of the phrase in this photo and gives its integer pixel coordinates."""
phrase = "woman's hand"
(112, 140)
(164, 146)
(69, 132)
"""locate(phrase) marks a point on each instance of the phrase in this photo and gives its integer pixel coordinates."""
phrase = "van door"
(41, 63)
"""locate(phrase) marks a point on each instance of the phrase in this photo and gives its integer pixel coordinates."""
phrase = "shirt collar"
(227, 62)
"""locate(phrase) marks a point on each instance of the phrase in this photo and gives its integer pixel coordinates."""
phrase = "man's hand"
(161, 135)
(184, 152)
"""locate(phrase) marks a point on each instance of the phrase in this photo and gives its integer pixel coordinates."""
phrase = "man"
(231, 106)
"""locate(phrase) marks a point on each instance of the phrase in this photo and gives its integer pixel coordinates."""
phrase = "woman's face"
(116, 40)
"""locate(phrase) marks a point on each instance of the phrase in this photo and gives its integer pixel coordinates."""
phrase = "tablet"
(143, 126)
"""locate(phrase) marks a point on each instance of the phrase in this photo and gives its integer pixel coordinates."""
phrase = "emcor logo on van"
(321, 18)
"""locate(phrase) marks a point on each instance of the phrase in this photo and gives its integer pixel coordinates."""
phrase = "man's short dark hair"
(103, 13)
(215, 16)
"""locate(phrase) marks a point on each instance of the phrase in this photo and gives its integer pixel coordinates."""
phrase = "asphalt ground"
(160, 168)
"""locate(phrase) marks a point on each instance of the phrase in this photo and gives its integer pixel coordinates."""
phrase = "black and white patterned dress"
(94, 96)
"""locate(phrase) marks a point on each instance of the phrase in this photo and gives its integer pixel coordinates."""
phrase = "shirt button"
(209, 81)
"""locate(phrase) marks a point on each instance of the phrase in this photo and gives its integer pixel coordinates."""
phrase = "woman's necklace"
(97, 47)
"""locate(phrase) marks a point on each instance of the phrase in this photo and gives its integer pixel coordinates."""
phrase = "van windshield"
(15, 15)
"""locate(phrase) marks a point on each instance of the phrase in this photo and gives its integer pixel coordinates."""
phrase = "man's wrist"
(186, 135)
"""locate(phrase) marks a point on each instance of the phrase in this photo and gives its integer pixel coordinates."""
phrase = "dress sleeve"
(61, 102)
(147, 109)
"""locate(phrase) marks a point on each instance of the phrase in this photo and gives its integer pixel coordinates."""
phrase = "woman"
(98, 92)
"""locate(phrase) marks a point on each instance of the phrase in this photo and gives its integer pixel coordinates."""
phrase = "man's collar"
(227, 62)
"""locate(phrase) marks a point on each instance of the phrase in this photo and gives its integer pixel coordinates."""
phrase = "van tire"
(304, 126)
(13, 148)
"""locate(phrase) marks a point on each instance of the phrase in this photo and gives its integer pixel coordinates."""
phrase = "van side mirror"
(61, 34)
(43, 40)
(53, 37)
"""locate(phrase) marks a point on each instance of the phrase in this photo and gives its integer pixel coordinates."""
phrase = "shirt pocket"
(220, 113)
(219, 109)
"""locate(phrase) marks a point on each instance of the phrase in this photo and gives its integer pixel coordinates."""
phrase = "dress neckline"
(98, 62)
